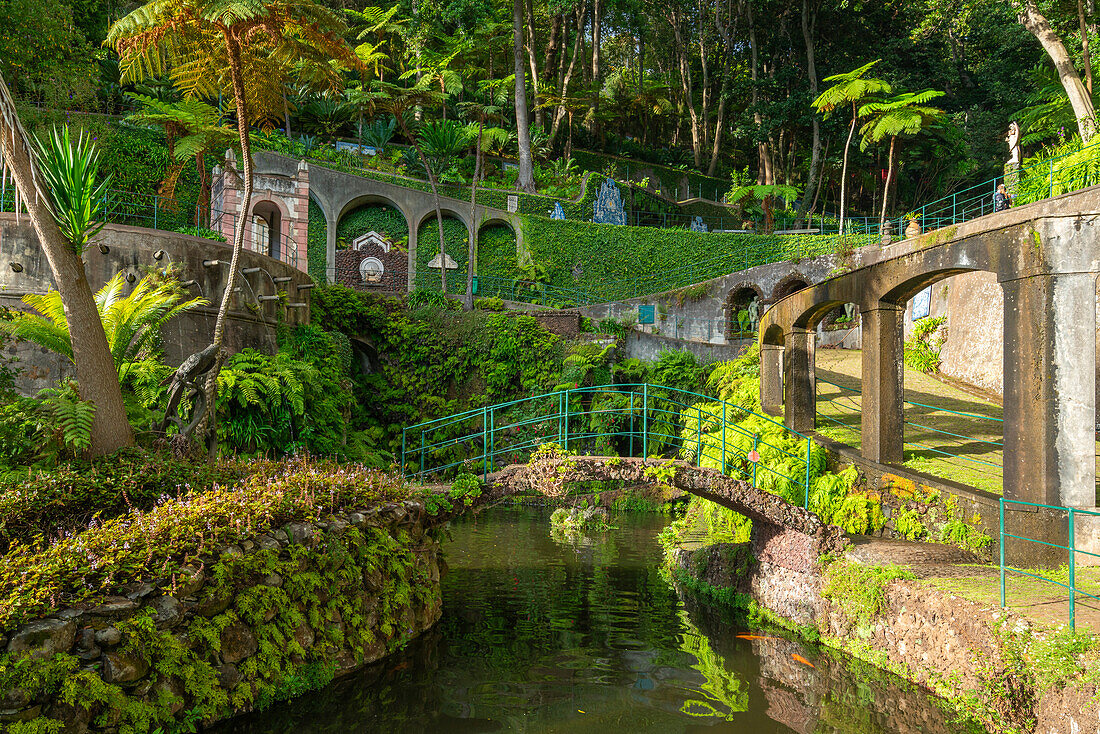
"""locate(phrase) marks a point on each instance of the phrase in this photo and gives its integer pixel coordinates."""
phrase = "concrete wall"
(251, 321)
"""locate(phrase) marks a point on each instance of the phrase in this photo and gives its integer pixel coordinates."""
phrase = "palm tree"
(131, 323)
(436, 71)
(398, 101)
(848, 89)
(482, 112)
(904, 114)
(196, 128)
(37, 173)
(248, 46)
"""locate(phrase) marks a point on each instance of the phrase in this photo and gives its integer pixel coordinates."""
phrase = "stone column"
(1049, 408)
(799, 385)
(330, 250)
(883, 428)
(771, 378)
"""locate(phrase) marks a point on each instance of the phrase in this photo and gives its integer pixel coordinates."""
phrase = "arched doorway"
(267, 229)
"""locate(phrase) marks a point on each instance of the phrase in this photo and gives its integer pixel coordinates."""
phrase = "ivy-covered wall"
(611, 262)
(317, 242)
(456, 244)
(263, 620)
(379, 218)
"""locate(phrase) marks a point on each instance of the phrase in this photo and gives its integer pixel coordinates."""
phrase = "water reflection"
(584, 635)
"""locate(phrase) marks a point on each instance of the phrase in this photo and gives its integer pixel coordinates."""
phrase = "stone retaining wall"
(954, 647)
(255, 622)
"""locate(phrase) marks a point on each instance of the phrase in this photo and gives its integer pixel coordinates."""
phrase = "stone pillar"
(330, 250)
(799, 385)
(299, 214)
(1049, 408)
(771, 378)
(882, 427)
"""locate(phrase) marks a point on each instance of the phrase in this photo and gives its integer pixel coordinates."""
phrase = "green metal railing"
(635, 419)
(948, 434)
(1071, 585)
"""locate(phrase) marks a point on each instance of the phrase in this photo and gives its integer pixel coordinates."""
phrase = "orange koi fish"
(802, 660)
(756, 637)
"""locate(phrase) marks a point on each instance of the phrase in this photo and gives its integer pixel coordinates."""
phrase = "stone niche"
(233, 630)
(372, 262)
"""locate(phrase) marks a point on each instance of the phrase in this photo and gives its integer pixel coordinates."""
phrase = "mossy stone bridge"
(728, 458)
(1046, 256)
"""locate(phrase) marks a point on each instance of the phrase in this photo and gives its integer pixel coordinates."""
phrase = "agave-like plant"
(132, 323)
(70, 172)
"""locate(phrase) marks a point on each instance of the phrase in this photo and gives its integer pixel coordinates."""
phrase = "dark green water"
(542, 635)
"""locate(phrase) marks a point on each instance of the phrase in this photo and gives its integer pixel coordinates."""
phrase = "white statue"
(1013, 140)
(754, 311)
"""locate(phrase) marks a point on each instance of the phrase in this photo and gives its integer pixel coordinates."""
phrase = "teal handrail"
(1074, 591)
(939, 431)
(480, 437)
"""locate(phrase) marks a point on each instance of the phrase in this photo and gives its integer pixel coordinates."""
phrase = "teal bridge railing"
(635, 419)
(853, 409)
(1072, 513)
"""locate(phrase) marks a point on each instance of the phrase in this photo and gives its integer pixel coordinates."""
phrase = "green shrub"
(65, 499)
(922, 349)
(95, 563)
(858, 589)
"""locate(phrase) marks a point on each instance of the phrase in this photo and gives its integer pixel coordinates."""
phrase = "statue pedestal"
(1012, 178)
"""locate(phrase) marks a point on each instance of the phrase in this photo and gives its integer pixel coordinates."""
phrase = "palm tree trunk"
(472, 250)
(844, 168)
(207, 426)
(889, 177)
(95, 368)
(435, 195)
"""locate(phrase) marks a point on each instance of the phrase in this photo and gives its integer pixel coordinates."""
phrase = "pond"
(578, 635)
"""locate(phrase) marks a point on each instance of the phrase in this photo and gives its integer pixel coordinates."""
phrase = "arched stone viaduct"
(1046, 257)
(338, 193)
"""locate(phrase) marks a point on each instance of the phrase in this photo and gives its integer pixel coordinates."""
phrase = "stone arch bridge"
(1046, 257)
(338, 193)
(783, 534)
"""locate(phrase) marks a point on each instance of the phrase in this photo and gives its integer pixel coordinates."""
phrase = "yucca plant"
(132, 323)
(70, 171)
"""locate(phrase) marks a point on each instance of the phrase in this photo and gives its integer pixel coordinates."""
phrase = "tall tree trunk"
(435, 195)
(809, 21)
(526, 180)
(763, 165)
(1036, 23)
(553, 48)
(727, 55)
(1086, 59)
(95, 368)
(563, 90)
(597, 30)
(889, 178)
(844, 166)
(685, 78)
(532, 44)
(207, 426)
(472, 250)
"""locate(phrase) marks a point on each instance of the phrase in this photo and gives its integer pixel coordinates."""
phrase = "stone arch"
(426, 259)
(268, 228)
(495, 258)
(738, 298)
(789, 284)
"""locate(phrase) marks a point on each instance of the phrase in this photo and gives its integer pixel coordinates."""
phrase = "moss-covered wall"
(456, 243)
(253, 623)
(317, 242)
(380, 218)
